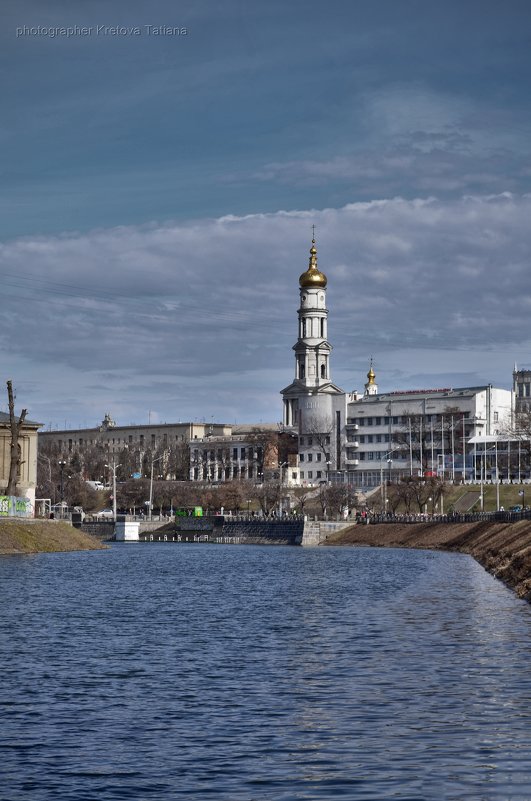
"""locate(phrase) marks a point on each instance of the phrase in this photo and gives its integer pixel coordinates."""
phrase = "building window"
(318, 474)
(310, 474)
(310, 441)
(369, 421)
(302, 440)
(302, 474)
(378, 437)
(310, 457)
(378, 421)
(327, 441)
(318, 456)
(301, 457)
(370, 438)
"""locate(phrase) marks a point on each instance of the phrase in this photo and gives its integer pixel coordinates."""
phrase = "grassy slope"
(43, 536)
(504, 549)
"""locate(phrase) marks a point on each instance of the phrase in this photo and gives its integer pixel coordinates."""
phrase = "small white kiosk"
(126, 531)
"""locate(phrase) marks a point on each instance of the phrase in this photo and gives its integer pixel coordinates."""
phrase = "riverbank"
(504, 549)
(43, 536)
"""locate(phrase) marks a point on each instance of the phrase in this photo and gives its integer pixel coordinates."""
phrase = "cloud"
(198, 319)
(411, 140)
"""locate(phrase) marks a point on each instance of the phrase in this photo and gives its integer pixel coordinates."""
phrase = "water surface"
(157, 672)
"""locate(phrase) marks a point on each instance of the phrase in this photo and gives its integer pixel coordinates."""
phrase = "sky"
(162, 165)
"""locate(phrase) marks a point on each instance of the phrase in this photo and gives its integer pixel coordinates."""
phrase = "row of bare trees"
(415, 494)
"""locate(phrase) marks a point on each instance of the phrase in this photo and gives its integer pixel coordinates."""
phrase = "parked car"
(516, 508)
(105, 513)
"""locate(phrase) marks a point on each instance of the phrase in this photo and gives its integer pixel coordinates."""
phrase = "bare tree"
(336, 498)
(517, 459)
(268, 495)
(15, 449)
(320, 430)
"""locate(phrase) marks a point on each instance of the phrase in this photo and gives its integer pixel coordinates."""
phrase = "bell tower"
(312, 349)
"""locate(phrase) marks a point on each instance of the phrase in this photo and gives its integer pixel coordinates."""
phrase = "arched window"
(323, 371)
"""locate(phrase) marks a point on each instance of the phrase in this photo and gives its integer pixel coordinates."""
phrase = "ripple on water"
(250, 674)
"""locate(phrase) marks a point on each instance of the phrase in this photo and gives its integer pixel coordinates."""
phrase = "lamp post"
(150, 514)
(62, 464)
(114, 467)
(280, 509)
(328, 472)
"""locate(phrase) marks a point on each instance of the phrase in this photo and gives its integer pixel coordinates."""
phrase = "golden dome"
(312, 276)
(371, 375)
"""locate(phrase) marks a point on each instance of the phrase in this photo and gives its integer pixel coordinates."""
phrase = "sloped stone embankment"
(43, 536)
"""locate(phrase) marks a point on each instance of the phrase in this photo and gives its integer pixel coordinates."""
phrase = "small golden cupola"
(312, 276)
(371, 387)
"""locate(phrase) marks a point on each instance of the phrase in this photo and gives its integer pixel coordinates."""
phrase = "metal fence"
(454, 517)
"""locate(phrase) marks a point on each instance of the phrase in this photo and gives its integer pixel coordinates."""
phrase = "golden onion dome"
(312, 276)
(371, 375)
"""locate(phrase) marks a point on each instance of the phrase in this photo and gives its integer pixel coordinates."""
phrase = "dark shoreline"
(503, 549)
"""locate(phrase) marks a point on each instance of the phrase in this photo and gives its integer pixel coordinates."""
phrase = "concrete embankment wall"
(504, 549)
(235, 531)
(317, 532)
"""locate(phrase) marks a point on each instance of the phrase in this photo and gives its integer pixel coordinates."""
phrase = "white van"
(95, 485)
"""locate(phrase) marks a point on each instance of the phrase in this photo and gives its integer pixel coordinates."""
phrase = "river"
(256, 673)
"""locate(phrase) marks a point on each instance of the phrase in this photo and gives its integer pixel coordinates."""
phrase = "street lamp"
(62, 464)
(328, 472)
(114, 467)
(151, 486)
(248, 508)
